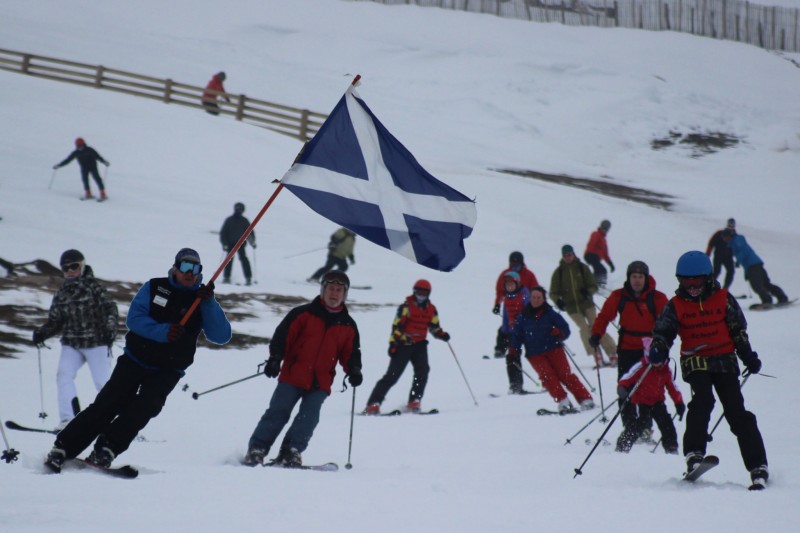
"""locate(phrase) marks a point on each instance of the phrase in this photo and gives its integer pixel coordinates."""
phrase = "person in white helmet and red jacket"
(408, 343)
(527, 279)
(87, 159)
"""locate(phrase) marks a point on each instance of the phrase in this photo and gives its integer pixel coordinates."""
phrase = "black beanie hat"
(71, 256)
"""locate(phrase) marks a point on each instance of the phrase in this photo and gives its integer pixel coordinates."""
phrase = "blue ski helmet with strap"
(693, 264)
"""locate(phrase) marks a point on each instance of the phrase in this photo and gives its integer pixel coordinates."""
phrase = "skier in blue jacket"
(754, 270)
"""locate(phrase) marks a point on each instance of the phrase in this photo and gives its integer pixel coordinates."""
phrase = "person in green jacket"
(340, 249)
(571, 288)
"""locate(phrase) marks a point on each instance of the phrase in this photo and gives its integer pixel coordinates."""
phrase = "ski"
(428, 412)
(327, 467)
(494, 356)
(522, 393)
(396, 412)
(13, 425)
(765, 307)
(125, 471)
(708, 462)
(591, 442)
(757, 486)
(545, 412)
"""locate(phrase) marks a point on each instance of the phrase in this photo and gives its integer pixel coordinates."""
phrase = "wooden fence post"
(26, 63)
(240, 107)
(98, 77)
(304, 125)
(167, 90)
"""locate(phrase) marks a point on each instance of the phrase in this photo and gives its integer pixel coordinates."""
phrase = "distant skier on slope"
(87, 159)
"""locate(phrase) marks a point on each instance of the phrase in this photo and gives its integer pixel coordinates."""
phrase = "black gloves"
(206, 292)
(594, 341)
(37, 337)
(611, 266)
(443, 335)
(560, 303)
(175, 332)
(392, 349)
(585, 293)
(753, 363)
(272, 367)
(107, 338)
(496, 309)
(680, 408)
(622, 393)
(658, 352)
(355, 377)
(352, 259)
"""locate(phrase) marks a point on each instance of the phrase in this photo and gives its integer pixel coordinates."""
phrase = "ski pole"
(600, 383)
(196, 395)
(462, 372)
(575, 364)
(52, 178)
(519, 367)
(579, 471)
(569, 440)
(9, 454)
(710, 438)
(255, 265)
(306, 252)
(349, 465)
(42, 413)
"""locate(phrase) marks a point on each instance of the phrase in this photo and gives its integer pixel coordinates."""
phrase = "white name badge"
(160, 300)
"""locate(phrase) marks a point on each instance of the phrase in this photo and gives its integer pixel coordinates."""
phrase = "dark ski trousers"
(278, 413)
(639, 417)
(417, 354)
(502, 342)
(333, 261)
(600, 272)
(742, 422)
(126, 403)
(514, 371)
(724, 260)
(759, 280)
(85, 172)
(243, 259)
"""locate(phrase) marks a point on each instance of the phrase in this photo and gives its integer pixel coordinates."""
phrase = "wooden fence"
(770, 27)
(299, 123)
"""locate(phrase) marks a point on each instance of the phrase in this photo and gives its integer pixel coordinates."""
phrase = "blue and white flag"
(355, 173)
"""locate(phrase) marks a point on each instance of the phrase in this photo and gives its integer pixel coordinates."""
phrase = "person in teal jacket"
(754, 271)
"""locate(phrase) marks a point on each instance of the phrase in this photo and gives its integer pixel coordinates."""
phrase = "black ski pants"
(243, 259)
(91, 171)
(759, 280)
(332, 261)
(742, 422)
(724, 260)
(417, 355)
(123, 407)
(600, 272)
(639, 417)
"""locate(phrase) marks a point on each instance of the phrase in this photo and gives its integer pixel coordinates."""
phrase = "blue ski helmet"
(693, 264)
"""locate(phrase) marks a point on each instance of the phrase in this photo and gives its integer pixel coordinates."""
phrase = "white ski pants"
(72, 359)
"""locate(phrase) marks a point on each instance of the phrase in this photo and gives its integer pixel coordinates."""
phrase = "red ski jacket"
(597, 245)
(651, 390)
(637, 318)
(413, 320)
(526, 277)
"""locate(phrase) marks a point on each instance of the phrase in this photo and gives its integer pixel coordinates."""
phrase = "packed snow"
(467, 94)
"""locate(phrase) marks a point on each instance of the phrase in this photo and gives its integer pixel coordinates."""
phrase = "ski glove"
(355, 377)
(206, 292)
(594, 341)
(352, 259)
(38, 338)
(753, 363)
(658, 352)
(622, 393)
(560, 303)
(272, 367)
(175, 332)
(392, 349)
(680, 408)
(557, 333)
(443, 335)
(496, 309)
(611, 266)
(107, 338)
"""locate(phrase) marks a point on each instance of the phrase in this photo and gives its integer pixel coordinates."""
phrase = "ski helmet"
(80, 142)
(238, 207)
(334, 276)
(516, 257)
(638, 267)
(422, 285)
(693, 264)
(71, 256)
(605, 224)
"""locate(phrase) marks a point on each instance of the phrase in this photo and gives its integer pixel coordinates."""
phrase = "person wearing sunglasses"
(408, 343)
(158, 349)
(303, 353)
(713, 332)
(86, 316)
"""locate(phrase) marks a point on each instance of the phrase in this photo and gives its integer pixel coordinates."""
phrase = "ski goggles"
(188, 266)
(337, 278)
(69, 267)
(692, 283)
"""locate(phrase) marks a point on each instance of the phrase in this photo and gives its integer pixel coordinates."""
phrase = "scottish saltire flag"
(355, 173)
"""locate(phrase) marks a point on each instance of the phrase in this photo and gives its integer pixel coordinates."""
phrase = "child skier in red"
(647, 403)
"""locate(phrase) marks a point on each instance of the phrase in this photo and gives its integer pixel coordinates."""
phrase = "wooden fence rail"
(769, 27)
(298, 123)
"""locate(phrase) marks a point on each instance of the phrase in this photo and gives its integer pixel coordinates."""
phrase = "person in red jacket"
(638, 304)
(309, 342)
(597, 249)
(647, 403)
(407, 343)
(214, 90)
(527, 279)
(515, 299)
